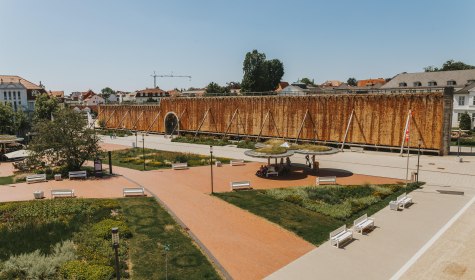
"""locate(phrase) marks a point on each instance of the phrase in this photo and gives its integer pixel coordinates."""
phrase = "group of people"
(262, 172)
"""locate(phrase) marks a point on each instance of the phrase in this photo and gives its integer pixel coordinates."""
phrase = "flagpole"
(407, 139)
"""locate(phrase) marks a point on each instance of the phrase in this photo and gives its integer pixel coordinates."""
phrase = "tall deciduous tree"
(215, 88)
(352, 82)
(7, 119)
(106, 93)
(465, 121)
(64, 141)
(260, 74)
(308, 82)
(45, 106)
(449, 65)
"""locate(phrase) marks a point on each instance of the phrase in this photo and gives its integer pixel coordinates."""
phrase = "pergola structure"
(8, 139)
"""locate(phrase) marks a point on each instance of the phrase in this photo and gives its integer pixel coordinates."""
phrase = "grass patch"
(71, 239)
(313, 212)
(208, 140)
(155, 159)
(7, 180)
(274, 150)
(153, 228)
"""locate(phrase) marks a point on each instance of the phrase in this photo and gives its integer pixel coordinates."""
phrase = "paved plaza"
(424, 241)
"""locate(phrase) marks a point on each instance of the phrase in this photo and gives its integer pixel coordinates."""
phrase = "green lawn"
(71, 239)
(291, 213)
(152, 229)
(209, 140)
(156, 159)
(7, 180)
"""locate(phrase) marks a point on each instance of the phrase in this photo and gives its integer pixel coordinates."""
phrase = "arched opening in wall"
(172, 124)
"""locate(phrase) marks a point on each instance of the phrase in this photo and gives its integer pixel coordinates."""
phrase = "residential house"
(194, 92)
(150, 95)
(464, 102)
(371, 82)
(331, 84)
(13, 94)
(293, 90)
(58, 94)
(174, 93)
(93, 100)
(32, 90)
(281, 86)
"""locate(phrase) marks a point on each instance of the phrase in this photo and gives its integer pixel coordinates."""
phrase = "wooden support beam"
(361, 128)
(105, 124)
(122, 120)
(137, 120)
(275, 125)
(347, 129)
(301, 126)
(408, 119)
(262, 126)
(314, 125)
(153, 122)
(230, 122)
(202, 122)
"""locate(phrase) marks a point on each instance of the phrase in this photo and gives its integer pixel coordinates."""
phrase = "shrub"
(80, 270)
(465, 121)
(36, 265)
(102, 229)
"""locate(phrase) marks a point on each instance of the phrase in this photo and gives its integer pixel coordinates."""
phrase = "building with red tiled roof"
(150, 95)
(32, 90)
(371, 82)
(281, 86)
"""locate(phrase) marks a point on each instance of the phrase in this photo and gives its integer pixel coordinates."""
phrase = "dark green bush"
(103, 228)
(80, 270)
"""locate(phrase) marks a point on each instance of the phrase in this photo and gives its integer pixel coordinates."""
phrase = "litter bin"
(57, 177)
(38, 194)
(218, 163)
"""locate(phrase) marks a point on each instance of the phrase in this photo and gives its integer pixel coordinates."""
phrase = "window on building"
(473, 117)
(4, 95)
(432, 83)
(451, 83)
(403, 84)
(10, 95)
(459, 116)
(417, 84)
(461, 100)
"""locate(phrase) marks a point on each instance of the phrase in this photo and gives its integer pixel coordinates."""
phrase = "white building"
(464, 102)
(93, 100)
(14, 94)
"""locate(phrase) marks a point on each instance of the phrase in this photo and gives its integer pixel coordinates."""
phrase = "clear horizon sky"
(90, 44)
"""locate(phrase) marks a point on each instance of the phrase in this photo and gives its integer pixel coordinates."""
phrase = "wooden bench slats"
(326, 180)
(77, 174)
(133, 191)
(235, 162)
(241, 185)
(62, 193)
(36, 178)
(180, 165)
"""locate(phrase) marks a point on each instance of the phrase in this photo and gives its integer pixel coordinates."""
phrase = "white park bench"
(242, 185)
(271, 171)
(326, 180)
(234, 162)
(180, 165)
(36, 178)
(77, 174)
(401, 202)
(134, 191)
(357, 149)
(340, 235)
(362, 223)
(62, 193)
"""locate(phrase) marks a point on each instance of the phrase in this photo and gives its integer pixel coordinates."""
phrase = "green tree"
(22, 122)
(308, 82)
(64, 141)
(215, 88)
(465, 122)
(352, 82)
(45, 107)
(106, 93)
(449, 65)
(261, 74)
(7, 119)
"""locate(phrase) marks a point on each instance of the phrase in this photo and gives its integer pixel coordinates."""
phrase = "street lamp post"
(211, 164)
(115, 245)
(143, 150)
(136, 139)
(418, 156)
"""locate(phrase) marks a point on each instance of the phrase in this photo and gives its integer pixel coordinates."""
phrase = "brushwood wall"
(369, 119)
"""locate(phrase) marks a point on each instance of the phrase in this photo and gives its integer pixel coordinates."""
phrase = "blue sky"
(77, 45)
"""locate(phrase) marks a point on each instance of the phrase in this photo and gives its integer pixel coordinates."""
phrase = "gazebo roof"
(255, 154)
